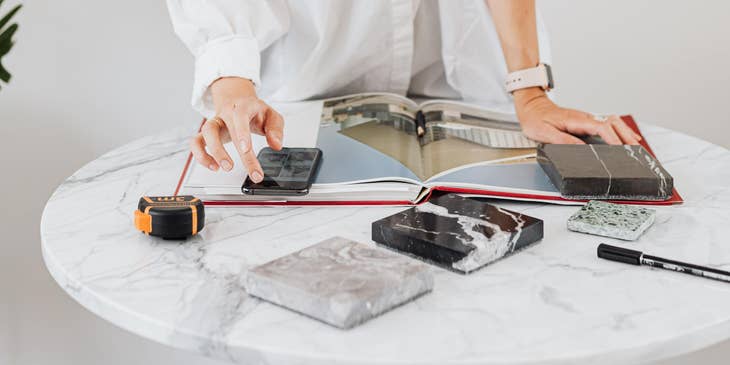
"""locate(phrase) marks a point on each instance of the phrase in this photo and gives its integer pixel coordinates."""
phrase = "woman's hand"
(239, 113)
(543, 121)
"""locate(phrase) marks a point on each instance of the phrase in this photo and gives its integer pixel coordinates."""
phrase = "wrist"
(227, 91)
(525, 96)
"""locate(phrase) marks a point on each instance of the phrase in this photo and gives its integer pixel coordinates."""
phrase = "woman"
(490, 52)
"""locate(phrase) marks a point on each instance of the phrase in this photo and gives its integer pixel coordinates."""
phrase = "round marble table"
(553, 303)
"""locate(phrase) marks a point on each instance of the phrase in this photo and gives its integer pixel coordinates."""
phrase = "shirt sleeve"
(226, 38)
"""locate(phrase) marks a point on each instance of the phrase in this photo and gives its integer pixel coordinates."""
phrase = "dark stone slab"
(595, 171)
(457, 233)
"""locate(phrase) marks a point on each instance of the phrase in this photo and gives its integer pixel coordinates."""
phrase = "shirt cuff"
(223, 57)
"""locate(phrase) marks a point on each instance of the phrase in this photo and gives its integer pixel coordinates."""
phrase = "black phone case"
(282, 191)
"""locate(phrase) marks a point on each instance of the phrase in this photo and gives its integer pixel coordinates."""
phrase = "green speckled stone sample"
(620, 221)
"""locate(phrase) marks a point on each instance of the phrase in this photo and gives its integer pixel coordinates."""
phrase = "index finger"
(242, 116)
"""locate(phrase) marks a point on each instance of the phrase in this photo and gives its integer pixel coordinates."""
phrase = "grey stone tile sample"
(340, 282)
(595, 171)
(620, 221)
(457, 233)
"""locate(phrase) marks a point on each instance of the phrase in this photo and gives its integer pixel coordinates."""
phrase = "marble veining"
(340, 282)
(664, 188)
(608, 172)
(553, 303)
(595, 171)
(462, 233)
(486, 249)
(653, 166)
(620, 221)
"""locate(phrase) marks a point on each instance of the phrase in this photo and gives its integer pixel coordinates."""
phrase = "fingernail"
(213, 167)
(244, 146)
(256, 177)
(226, 165)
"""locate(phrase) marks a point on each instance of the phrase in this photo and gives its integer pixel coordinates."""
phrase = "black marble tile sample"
(457, 233)
(595, 171)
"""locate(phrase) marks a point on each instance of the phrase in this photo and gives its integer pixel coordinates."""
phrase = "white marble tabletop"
(552, 303)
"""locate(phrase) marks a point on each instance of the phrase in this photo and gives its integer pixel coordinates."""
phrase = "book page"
(384, 122)
(515, 177)
(459, 134)
(344, 159)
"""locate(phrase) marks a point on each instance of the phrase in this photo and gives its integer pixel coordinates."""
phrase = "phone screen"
(290, 171)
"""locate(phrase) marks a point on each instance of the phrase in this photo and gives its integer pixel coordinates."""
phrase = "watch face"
(549, 72)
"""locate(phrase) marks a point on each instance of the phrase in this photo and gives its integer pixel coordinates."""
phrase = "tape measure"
(170, 217)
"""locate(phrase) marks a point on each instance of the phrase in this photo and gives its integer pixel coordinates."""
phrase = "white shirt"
(299, 50)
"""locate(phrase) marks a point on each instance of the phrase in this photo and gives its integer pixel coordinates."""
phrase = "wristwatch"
(541, 76)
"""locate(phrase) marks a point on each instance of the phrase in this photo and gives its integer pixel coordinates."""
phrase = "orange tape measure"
(170, 217)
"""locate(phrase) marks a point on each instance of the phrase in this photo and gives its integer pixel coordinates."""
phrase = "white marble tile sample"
(340, 282)
(620, 221)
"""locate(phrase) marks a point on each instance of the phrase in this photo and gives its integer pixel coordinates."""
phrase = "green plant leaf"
(7, 17)
(6, 39)
(7, 34)
(4, 74)
(5, 47)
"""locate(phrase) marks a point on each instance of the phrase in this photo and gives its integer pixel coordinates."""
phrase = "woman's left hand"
(543, 121)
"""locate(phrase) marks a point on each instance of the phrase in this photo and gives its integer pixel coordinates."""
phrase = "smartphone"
(290, 171)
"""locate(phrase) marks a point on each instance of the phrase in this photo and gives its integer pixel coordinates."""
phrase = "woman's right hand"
(239, 113)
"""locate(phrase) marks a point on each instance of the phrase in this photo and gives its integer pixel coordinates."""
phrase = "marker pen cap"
(619, 254)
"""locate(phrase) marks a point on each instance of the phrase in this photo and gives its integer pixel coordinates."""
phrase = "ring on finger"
(216, 119)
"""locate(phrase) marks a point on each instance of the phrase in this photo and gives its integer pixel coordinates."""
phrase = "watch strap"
(536, 76)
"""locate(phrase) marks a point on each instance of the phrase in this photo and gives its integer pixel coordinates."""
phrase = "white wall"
(92, 75)
(664, 61)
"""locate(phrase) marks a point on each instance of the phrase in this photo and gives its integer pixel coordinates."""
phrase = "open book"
(385, 149)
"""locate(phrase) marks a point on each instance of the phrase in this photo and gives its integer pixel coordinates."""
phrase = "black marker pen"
(634, 257)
